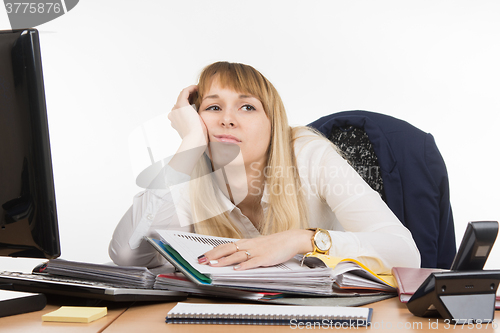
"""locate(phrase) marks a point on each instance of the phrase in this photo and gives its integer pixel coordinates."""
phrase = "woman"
(262, 182)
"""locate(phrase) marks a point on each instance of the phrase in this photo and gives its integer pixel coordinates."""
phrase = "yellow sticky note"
(75, 314)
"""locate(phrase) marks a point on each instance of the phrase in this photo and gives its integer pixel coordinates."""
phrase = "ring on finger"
(248, 254)
(237, 248)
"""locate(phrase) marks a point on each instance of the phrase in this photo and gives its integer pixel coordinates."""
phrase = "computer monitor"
(28, 219)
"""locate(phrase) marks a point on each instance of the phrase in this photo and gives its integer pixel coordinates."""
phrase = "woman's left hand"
(261, 251)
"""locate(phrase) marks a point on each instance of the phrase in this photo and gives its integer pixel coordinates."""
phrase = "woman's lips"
(227, 138)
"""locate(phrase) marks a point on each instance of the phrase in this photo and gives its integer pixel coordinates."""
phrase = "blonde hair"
(287, 209)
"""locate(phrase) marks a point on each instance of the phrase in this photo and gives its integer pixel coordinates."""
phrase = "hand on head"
(185, 97)
(184, 118)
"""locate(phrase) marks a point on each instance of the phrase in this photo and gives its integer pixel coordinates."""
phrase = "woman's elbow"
(412, 256)
(121, 255)
(125, 256)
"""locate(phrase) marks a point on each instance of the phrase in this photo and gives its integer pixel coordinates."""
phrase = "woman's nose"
(227, 120)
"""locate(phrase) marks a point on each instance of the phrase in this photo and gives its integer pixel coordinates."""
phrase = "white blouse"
(361, 225)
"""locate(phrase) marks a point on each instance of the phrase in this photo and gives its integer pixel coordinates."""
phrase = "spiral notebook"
(255, 314)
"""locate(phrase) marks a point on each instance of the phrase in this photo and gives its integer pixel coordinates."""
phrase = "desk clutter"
(321, 275)
(320, 283)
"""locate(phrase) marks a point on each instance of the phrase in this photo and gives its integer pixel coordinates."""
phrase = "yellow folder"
(75, 314)
(333, 262)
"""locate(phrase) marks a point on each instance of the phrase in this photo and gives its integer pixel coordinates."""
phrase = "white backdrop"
(112, 65)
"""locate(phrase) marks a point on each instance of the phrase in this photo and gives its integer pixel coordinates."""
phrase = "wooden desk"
(388, 315)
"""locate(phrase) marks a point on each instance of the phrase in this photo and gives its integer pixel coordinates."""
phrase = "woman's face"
(238, 119)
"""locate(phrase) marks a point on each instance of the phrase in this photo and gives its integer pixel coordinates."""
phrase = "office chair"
(403, 164)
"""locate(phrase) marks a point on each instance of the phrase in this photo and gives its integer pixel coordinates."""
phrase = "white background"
(112, 65)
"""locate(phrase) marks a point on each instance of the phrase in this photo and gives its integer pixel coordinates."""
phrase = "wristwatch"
(321, 240)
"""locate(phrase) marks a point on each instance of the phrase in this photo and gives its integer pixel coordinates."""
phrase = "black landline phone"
(467, 293)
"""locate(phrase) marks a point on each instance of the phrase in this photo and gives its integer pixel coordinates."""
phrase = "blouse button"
(150, 217)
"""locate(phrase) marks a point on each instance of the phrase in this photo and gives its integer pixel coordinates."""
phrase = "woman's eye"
(248, 107)
(213, 108)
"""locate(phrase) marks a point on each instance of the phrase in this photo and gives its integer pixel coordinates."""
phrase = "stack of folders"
(178, 282)
(119, 276)
(182, 250)
(319, 276)
(160, 278)
(294, 316)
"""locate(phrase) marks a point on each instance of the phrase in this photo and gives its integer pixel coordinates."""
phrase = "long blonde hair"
(287, 206)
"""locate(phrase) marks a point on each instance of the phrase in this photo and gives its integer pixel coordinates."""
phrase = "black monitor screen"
(28, 219)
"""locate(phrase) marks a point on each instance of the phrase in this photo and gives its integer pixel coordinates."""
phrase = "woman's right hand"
(184, 118)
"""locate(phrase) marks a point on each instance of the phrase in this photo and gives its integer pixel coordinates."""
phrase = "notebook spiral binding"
(223, 318)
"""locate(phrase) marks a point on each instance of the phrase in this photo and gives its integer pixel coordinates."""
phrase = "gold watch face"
(323, 241)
